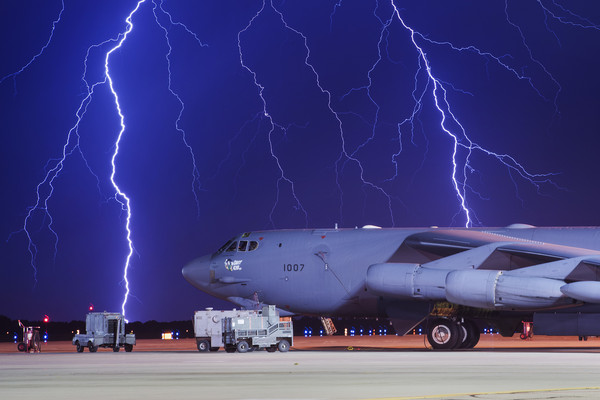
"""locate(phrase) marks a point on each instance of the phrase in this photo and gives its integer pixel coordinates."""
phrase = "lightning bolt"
(54, 167)
(425, 81)
(459, 135)
(570, 18)
(344, 156)
(427, 87)
(120, 196)
(41, 203)
(45, 189)
(35, 57)
(195, 173)
(273, 126)
(335, 7)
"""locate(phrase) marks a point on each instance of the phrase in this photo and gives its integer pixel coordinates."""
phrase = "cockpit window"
(232, 247)
(244, 245)
(225, 246)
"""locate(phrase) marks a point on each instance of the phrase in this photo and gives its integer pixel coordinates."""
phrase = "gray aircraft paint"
(324, 271)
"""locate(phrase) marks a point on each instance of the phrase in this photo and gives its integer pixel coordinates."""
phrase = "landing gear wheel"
(203, 346)
(271, 349)
(21, 347)
(443, 334)
(128, 347)
(463, 334)
(472, 334)
(283, 345)
(92, 348)
(242, 346)
(79, 347)
(116, 349)
(213, 349)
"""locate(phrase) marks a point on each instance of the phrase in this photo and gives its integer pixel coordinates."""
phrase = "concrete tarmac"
(307, 372)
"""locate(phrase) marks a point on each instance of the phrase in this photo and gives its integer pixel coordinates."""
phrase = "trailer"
(242, 330)
(104, 329)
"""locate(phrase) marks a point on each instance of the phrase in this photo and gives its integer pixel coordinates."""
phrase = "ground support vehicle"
(31, 339)
(104, 329)
(242, 330)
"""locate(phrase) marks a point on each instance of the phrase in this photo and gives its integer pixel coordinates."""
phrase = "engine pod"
(588, 291)
(500, 290)
(398, 280)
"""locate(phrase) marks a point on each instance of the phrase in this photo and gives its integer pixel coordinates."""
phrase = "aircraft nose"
(197, 272)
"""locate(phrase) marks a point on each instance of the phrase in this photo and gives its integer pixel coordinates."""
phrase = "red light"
(46, 319)
(91, 307)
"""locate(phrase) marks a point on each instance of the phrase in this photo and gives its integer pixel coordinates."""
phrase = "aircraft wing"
(489, 270)
(507, 253)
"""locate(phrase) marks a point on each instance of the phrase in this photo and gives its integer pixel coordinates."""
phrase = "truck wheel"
(213, 349)
(230, 349)
(92, 348)
(116, 349)
(283, 345)
(242, 346)
(21, 347)
(128, 347)
(79, 347)
(203, 345)
(271, 349)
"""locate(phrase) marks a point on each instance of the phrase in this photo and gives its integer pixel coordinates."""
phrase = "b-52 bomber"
(446, 278)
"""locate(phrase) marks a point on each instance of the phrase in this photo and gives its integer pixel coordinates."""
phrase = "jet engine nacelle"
(399, 280)
(588, 291)
(497, 289)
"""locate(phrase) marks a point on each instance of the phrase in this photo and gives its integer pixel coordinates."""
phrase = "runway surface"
(316, 368)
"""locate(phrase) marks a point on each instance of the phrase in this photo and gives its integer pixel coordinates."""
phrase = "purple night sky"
(351, 134)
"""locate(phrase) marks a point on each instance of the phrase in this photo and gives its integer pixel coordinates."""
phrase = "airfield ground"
(317, 368)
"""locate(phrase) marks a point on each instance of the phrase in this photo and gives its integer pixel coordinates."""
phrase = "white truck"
(104, 329)
(242, 330)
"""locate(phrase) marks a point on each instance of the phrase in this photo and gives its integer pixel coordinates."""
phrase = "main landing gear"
(444, 333)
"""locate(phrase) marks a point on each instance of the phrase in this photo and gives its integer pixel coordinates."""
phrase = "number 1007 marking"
(293, 267)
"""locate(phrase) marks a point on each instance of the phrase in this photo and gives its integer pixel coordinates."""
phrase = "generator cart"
(242, 330)
(31, 339)
(104, 329)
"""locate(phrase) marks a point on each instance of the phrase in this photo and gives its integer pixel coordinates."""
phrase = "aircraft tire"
(443, 334)
(463, 332)
(203, 346)
(283, 345)
(473, 335)
(242, 346)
